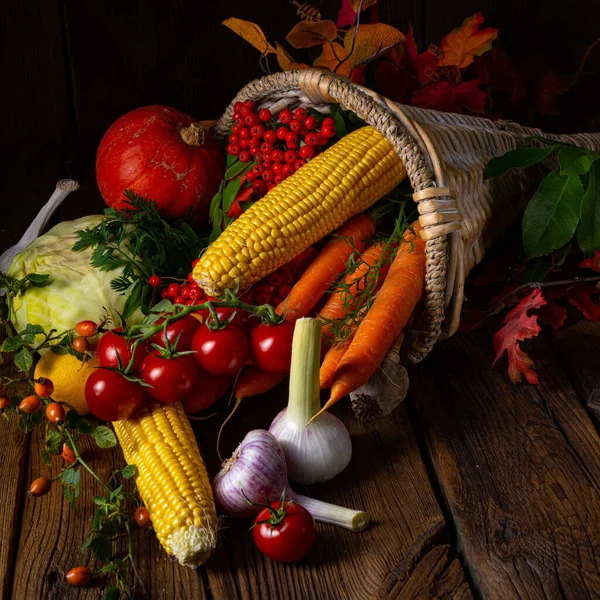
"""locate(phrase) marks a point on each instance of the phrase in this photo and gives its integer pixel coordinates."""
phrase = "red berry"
(270, 186)
(284, 290)
(282, 132)
(266, 148)
(295, 125)
(239, 121)
(268, 175)
(255, 142)
(254, 151)
(251, 119)
(235, 129)
(299, 164)
(195, 262)
(291, 156)
(190, 302)
(311, 139)
(257, 130)
(286, 116)
(321, 139)
(249, 103)
(262, 298)
(265, 114)
(301, 113)
(310, 122)
(245, 143)
(245, 156)
(307, 152)
(277, 168)
(237, 106)
(234, 138)
(179, 300)
(288, 169)
(244, 132)
(303, 131)
(277, 155)
(164, 293)
(328, 131)
(154, 281)
(270, 136)
(286, 275)
(328, 121)
(245, 110)
(276, 300)
(174, 289)
(292, 140)
(256, 169)
(190, 278)
(274, 279)
(185, 291)
(250, 176)
(279, 178)
(259, 186)
(233, 149)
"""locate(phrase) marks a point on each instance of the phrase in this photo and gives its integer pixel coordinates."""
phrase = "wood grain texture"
(519, 468)
(386, 477)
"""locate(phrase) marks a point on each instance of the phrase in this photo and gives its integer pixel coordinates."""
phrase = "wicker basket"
(444, 154)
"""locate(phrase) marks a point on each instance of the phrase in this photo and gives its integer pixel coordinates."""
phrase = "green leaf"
(517, 159)
(134, 299)
(46, 459)
(237, 168)
(537, 270)
(230, 193)
(215, 204)
(216, 230)
(552, 214)
(23, 359)
(25, 424)
(129, 471)
(559, 257)
(38, 280)
(71, 477)
(230, 160)
(75, 422)
(101, 548)
(112, 593)
(588, 234)
(246, 205)
(12, 343)
(163, 306)
(33, 329)
(104, 437)
(100, 500)
(54, 441)
(576, 161)
(340, 124)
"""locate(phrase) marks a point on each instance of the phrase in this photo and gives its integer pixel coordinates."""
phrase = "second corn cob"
(341, 182)
(172, 480)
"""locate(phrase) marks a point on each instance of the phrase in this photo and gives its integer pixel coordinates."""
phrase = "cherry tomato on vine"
(271, 347)
(220, 351)
(183, 328)
(171, 378)
(284, 533)
(243, 319)
(55, 413)
(110, 396)
(43, 387)
(30, 405)
(81, 344)
(86, 328)
(112, 344)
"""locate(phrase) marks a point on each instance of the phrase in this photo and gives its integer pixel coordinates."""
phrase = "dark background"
(68, 68)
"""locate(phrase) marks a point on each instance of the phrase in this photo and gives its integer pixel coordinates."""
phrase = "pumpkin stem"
(193, 135)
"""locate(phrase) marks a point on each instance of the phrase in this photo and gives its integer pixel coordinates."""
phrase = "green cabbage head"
(76, 292)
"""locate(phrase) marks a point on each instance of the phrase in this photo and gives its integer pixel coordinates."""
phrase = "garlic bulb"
(321, 450)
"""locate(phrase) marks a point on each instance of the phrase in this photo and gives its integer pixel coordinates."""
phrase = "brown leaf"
(365, 4)
(371, 41)
(306, 34)
(286, 60)
(329, 60)
(251, 32)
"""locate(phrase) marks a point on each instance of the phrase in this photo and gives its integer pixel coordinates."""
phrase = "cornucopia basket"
(461, 213)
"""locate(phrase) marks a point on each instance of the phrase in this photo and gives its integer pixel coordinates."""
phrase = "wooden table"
(477, 488)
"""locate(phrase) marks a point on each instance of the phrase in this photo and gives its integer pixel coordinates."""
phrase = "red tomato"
(160, 153)
(220, 351)
(271, 347)
(171, 378)
(243, 319)
(110, 396)
(111, 344)
(208, 389)
(288, 540)
(184, 328)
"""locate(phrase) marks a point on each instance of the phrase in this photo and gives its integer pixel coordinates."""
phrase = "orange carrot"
(339, 303)
(255, 381)
(330, 363)
(207, 391)
(324, 269)
(389, 314)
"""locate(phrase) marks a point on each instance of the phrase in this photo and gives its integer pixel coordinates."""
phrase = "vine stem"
(83, 463)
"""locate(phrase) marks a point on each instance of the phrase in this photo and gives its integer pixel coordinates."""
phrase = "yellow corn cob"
(332, 187)
(172, 480)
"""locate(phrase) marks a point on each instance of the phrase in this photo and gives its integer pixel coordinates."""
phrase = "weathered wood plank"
(519, 467)
(52, 535)
(387, 478)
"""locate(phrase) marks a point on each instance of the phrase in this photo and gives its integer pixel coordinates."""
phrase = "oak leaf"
(553, 313)
(371, 41)
(286, 60)
(518, 326)
(251, 32)
(423, 65)
(307, 34)
(592, 262)
(580, 296)
(444, 96)
(356, 4)
(462, 44)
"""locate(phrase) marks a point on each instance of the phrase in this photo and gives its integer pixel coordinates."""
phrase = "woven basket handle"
(438, 210)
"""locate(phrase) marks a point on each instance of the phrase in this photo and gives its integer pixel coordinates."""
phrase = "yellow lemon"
(68, 374)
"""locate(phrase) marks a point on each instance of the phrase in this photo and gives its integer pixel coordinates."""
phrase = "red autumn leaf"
(423, 65)
(462, 44)
(444, 96)
(494, 69)
(347, 15)
(492, 273)
(549, 88)
(580, 296)
(592, 263)
(391, 77)
(553, 313)
(518, 326)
